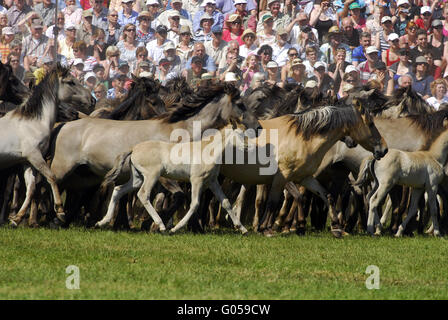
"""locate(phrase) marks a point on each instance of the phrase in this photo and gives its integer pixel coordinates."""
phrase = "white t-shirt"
(435, 103)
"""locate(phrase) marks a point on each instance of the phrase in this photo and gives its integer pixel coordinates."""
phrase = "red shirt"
(85, 4)
(421, 25)
(227, 37)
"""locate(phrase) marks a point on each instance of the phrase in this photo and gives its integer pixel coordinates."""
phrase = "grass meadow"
(220, 265)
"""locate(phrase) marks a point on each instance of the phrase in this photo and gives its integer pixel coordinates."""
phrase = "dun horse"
(27, 128)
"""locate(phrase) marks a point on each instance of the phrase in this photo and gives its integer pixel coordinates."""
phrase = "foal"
(151, 159)
(421, 170)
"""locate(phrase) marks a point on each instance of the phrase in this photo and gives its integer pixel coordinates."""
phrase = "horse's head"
(11, 89)
(71, 91)
(365, 132)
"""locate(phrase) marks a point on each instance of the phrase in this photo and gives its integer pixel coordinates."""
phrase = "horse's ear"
(134, 78)
(358, 105)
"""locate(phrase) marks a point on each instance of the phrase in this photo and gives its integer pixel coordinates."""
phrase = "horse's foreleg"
(144, 193)
(10, 181)
(271, 206)
(238, 205)
(432, 202)
(225, 204)
(415, 198)
(196, 191)
(259, 202)
(30, 183)
(279, 221)
(37, 161)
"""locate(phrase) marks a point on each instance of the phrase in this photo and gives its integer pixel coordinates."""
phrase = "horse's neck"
(205, 119)
(49, 111)
(439, 149)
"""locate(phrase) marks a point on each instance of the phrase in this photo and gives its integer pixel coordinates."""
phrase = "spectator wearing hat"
(7, 36)
(267, 34)
(128, 15)
(207, 80)
(44, 68)
(297, 73)
(173, 26)
(424, 22)
(249, 37)
(281, 47)
(367, 68)
(90, 81)
(215, 48)
(113, 30)
(384, 78)
(421, 79)
(205, 32)
(328, 50)
(278, 17)
(144, 31)
(176, 5)
(233, 29)
(381, 37)
(402, 17)
(66, 45)
(323, 17)
(170, 53)
(359, 53)
(117, 90)
(391, 55)
(240, 9)
(273, 74)
(16, 13)
(350, 80)
(46, 10)
(422, 46)
(325, 83)
(129, 44)
(438, 91)
(232, 78)
(72, 13)
(77, 69)
(337, 69)
(359, 22)
(193, 73)
(143, 66)
(436, 39)
(184, 48)
(192, 7)
(299, 29)
(87, 29)
(153, 7)
(155, 47)
(141, 55)
(209, 6)
(99, 14)
(199, 51)
(34, 45)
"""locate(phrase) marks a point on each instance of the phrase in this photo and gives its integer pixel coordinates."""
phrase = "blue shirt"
(209, 64)
(218, 20)
(122, 20)
(358, 54)
(422, 86)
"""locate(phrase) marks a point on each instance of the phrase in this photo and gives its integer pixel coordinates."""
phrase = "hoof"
(268, 233)
(34, 225)
(337, 233)
(13, 224)
(61, 216)
(300, 231)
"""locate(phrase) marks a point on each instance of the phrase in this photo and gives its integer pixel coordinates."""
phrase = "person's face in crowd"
(117, 84)
(441, 90)
(372, 57)
(235, 26)
(422, 40)
(335, 40)
(127, 7)
(421, 67)
(77, 53)
(170, 54)
(406, 82)
(19, 4)
(404, 57)
(351, 79)
(174, 22)
(311, 56)
(79, 68)
(231, 58)
(70, 34)
(177, 6)
(266, 56)
(165, 67)
(153, 9)
(161, 36)
(426, 16)
(87, 20)
(438, 30)
(268, 24)
(282, 39)
(303, 19)
(61, 20)
(388, 25)
(217, 36)
(9, 37)
(275, 8)
(365, 42)
(252, 61)
(196, 67)
(430, 59)
(347, 26)
(100, 73)
(272, 71)
(320, 71)
(412, 30)
(241, 7)
(113, 58)
(17, 49)
(100, 93)
(3, 20)
(97, 5)
(186, 37)
(210, 8)
(123, 70)
(355, 12)
(37, 32)
(340, 56)
(113, 17)
(90, 83)
(145, 22)
(395, 44)
(142, 56)
(14, 62)
(199, 50)
(298, 70)
(249, 40)
(293, 54)
(207, 25)
(234, 47)
(355, 76)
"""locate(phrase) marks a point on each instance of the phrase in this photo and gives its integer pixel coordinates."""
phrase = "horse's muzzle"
(379, 152)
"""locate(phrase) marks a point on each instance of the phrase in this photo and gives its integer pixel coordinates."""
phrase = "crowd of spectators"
(333, 46)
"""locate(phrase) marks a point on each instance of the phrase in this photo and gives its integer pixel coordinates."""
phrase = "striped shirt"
(364, 72)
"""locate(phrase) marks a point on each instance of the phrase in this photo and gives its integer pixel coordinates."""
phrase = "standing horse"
(11, 89)
(303, 140)
(27, 128)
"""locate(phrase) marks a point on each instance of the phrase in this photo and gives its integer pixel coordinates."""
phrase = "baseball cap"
(425, 9)
(380, 65)
(436, 23)
(196, 59)
(296, 62)
(206, 2)
(230, 76)
(89, 75)
(272, 1)
(371, 49)
(421, 59)
(87, 13)
(78, 61)
(143, 64)
(206, 16)
(126, 1)
(281, 30)
(97, 67)
(123, 64)
(173, 13)
(161, 29)
(216, 29)
(240, 2)
(311, 84)
(351, 68)
(402, 2)
(385, 19)
(272, 64)
(168, 46)
(319, 64)
(145, 74)
(37, 23)
(393, 36)
(151, 2)
(354, 5)
(70, 26)
(206, 76)
(7, 30)
(144, 13)
(266, 16)
(174, 1)
(163, 61)
(334, 29)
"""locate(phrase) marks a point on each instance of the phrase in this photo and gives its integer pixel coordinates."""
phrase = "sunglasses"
(293, 54)
(14, 61)
(130, 30)
(97, 92)
(236, 22)
(113, 15)
(350, 81)
(186, 34)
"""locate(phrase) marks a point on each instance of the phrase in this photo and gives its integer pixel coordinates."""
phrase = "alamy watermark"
(72, 281)
(373, 280)
(236, 147)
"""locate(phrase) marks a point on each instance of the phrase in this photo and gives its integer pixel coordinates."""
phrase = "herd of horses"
(351, 159)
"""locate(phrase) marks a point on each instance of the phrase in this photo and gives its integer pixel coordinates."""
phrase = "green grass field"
(225, 265)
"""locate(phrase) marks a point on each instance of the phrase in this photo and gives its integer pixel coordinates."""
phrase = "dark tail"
(113, 174)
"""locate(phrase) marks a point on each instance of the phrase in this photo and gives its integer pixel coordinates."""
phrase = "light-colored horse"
(303, 140)
(191, 166)
(27, 129)
(421, 170)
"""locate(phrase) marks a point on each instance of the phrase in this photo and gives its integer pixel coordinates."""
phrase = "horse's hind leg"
(225, 203)
(260, 199)
(7, 192)
(196, 190)
(283, 210)
(30, 182)
(149, 180)
(415, 197)
(432, 202)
